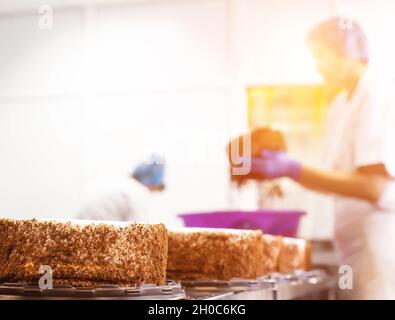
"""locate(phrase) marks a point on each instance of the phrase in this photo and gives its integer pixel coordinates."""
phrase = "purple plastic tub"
(276, 222)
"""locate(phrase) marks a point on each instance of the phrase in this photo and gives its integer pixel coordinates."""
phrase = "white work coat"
(117, 200)
(361, 131)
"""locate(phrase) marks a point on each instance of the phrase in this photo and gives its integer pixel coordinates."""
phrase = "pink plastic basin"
(276, 222)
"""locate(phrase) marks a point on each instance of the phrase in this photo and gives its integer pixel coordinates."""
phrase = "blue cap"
(150, 173)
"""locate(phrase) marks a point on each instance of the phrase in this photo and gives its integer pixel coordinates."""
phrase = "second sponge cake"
(214, 254)
(223, 254)
(272, 246)
(285, 255)
(295, 254)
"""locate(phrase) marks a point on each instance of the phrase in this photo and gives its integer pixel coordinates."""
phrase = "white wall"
(101, 91)
(40, 116)
(113, 82)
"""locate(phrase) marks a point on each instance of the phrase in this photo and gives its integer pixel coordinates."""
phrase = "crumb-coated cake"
(284, 255)
(295, 254)
(272, 248)
(83, 253)
(214, 254)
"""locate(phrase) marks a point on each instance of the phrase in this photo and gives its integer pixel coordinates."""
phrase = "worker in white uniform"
(129, 198)
(360, 160)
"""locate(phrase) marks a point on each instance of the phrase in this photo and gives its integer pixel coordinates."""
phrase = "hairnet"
(151, 172)
(344, 35)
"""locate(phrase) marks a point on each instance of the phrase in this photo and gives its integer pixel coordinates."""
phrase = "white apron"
(359, 132)
(121, 199)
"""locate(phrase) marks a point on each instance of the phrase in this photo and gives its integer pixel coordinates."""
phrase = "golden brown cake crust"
(215, 255)
(83, 254)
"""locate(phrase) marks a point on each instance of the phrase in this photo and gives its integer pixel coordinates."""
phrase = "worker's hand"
(276, 164)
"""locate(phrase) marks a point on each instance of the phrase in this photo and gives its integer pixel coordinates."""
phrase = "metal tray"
(21, 291)
(314, 284)
(234, 289)
(306, 285)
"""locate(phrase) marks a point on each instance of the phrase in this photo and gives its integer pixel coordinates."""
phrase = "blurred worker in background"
(359, 156)
(126, 199)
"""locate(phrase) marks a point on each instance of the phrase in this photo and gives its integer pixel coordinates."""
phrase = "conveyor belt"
(314, 284)
(20, 291)
(237, 289)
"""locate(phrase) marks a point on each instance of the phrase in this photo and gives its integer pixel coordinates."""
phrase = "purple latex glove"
(276, 164)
